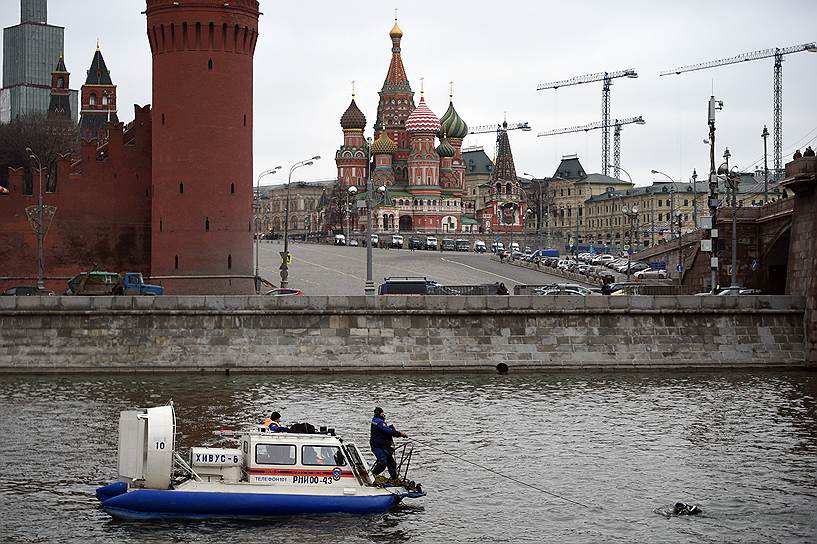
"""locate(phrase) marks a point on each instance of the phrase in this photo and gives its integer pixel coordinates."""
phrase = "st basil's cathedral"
(424, 183)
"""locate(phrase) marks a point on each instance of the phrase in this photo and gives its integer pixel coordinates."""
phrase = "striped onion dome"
(353, 118)
(452, 124)
(422, 119)
(445, 149)
(384, 145)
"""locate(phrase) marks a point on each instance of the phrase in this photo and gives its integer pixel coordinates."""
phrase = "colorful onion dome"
(445, 149)
(452, 124)
(353, 118)
(422, 119)
(395, 31)
(384, 145)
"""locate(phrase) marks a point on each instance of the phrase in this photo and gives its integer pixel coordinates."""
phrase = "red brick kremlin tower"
(98, 100)
(202, 144)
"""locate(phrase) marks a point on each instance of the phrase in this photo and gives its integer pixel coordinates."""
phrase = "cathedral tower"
(455, 130)
(396, 104)
(202, 144)
(351, 157)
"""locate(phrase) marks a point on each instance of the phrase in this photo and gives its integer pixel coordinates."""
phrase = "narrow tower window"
(229, 262)
(177, 262)
(92, 99)
(161, 225)
(163, 118)
(210, 64)
(181, 188)
(207, 224)
(232, 188)
(245, 119)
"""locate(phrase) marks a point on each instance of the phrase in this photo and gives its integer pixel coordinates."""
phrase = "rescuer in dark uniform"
(382, 444)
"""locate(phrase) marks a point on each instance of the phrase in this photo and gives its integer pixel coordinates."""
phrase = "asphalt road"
(341, 270)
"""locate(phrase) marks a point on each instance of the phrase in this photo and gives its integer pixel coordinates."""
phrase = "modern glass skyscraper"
(31, 52)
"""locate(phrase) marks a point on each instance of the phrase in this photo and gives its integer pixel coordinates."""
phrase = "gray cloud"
(496, 53)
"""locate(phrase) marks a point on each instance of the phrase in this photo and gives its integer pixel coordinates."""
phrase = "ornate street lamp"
(631, 213)
(350, 193)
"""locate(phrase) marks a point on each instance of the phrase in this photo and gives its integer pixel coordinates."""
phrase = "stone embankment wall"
(286, 334)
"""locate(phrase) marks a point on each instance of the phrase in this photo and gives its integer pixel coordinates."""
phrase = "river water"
(741, 445)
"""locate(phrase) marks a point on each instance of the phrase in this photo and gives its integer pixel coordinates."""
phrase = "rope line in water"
(511, 478)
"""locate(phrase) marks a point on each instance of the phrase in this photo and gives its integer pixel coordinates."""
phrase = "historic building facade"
(305, 208)
(423, 181)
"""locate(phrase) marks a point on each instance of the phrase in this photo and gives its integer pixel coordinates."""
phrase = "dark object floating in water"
(679, 509)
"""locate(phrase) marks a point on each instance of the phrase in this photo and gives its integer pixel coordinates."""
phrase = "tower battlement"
(202, 25)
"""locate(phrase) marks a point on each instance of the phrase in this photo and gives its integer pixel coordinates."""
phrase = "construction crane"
(617, 124)
(777, 111)
(607, 79)
(499, 128)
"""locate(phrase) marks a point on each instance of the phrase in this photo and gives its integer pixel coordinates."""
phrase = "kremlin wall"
(166, 195)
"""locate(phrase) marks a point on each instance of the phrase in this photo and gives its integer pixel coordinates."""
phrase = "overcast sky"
(496, 53)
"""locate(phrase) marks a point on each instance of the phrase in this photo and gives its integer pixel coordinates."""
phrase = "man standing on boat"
(382, 444)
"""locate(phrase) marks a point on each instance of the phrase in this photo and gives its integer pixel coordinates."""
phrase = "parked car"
(101, 283)
(375, 240)
(415, 243)
(396, 242)
(431, 243)
(650, 274)
(738, 291)
(497, 247)
(353, 243)
(563, 289)
(27, 292)
(449, 245)
(479, 247)
(461, 245)
(514, 246)
(340, 240)
(288, 292)
(405, 286)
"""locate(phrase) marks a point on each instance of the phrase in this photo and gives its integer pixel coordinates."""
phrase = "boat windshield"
(275, 454)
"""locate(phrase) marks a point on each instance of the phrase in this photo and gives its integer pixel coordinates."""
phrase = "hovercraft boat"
(269, 474)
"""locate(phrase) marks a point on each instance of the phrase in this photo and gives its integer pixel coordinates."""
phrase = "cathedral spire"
(504, 169)
(396, 80)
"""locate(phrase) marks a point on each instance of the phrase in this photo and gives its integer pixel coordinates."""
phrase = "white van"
(396, 242)
(431, 243)
(340, 240)
(479, 247)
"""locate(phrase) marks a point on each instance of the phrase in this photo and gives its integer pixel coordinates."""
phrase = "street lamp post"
(350, 193)
(257, 223)
(285, 252)
(40, 230)
(368, 287)
(695, 198)
(765, 136)
(679, 215)
(528, 213)
(631, 213)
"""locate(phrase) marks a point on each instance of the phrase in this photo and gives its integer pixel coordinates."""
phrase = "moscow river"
(742, 445)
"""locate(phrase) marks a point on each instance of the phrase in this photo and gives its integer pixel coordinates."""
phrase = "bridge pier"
(801, 178)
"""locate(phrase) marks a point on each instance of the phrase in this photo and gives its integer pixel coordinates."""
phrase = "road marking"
(482, 271)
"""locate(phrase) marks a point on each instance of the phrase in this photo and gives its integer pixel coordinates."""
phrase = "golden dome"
(395, 31)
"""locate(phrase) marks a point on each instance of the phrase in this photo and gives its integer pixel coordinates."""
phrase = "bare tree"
(48, 138)
(336, 215)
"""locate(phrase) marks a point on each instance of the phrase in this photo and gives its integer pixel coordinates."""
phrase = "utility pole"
(714, 105)
(765, 136)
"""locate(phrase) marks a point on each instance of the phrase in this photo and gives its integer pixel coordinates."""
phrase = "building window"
(177, 262)
(161, 225)
(163, 118)
(181, 188)
(92, 99)
(232, 188)
(104, 99)
(207, 224)
(60, 83)
(210, 65)
(229, 262)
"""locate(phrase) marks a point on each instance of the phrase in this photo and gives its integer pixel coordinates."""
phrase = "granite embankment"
(240, 333)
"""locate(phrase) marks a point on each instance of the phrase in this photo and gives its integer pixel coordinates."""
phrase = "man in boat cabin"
(382, 443)
(273, 422)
